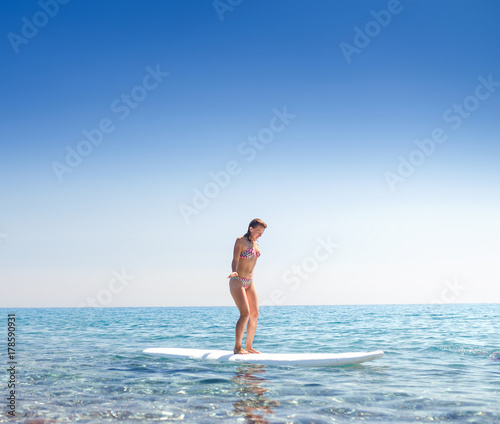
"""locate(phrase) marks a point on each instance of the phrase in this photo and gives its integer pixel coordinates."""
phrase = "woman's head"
(255, 229)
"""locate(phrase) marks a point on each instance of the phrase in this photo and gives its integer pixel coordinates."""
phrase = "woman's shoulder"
(241, 240)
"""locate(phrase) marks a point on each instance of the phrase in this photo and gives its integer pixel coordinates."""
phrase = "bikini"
(247, 254)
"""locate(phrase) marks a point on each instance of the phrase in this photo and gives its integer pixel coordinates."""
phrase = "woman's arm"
(236, 259)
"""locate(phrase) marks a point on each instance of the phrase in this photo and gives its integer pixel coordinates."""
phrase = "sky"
(139, 139)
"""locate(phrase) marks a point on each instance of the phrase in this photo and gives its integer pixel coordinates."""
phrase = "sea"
(85, 365)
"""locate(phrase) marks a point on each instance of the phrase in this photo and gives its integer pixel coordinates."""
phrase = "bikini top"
(249, 253)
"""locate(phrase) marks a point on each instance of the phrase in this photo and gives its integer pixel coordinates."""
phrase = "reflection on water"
(254, 404)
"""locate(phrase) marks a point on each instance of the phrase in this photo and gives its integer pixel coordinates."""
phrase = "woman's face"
(256, 232)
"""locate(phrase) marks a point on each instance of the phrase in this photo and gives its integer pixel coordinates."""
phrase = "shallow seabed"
(86, 365)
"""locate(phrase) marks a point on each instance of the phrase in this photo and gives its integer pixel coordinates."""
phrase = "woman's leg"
(240, 298)
(253, 304)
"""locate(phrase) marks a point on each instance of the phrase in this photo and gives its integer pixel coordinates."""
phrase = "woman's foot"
(252, 350)
(241, 351)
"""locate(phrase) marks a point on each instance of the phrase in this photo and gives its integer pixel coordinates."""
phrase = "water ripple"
(86, 365)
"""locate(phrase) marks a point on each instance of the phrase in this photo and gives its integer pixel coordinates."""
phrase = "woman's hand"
(233, 274)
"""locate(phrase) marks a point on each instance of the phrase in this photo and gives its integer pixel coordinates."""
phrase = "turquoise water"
(86, 365)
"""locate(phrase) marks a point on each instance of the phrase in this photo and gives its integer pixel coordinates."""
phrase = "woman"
(246, 252)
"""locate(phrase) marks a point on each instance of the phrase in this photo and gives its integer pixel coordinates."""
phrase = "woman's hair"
(254, 223)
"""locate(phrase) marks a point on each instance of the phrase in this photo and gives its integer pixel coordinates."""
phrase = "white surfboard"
(283, 359)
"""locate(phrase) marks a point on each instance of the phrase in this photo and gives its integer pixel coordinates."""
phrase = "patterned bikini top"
(249, 253)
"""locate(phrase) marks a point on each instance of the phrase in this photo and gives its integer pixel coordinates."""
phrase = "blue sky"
(319, 144)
